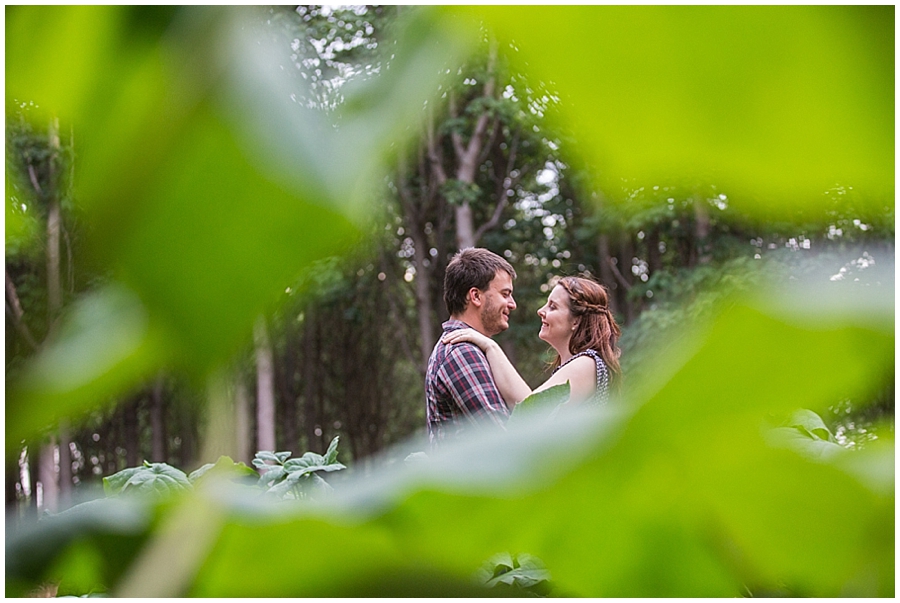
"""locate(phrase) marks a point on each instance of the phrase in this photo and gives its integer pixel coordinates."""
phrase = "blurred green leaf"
(105, 343)
(208, 189)
(707, 509)
(113, 529)
(810, 447)
(775, 104)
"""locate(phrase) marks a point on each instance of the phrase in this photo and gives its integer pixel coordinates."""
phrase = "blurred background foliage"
(226, 231)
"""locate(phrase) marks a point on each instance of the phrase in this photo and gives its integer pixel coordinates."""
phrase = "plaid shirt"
(460, 389)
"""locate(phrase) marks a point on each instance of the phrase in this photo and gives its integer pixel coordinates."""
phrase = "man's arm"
(468, 377)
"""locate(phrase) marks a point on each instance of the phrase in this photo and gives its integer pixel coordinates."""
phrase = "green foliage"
(775, 104)
(161, 479)
(202, 208)
(457, 192)
(225, 465)
(806, 433)
(158, 479)
(204, 213)
(522, 572)
(285, 477)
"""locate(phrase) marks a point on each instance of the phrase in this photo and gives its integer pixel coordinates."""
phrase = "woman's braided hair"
(597, 329)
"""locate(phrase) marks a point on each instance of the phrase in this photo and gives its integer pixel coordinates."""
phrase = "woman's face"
(557, 323)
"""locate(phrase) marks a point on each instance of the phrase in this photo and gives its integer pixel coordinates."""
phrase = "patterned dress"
(601, 391)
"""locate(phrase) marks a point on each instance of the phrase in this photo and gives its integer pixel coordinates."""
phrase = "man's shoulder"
(453, 324)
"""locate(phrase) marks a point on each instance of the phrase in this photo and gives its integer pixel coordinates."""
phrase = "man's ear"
(475, 297)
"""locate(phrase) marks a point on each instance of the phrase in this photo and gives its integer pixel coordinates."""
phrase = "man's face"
(498, 303)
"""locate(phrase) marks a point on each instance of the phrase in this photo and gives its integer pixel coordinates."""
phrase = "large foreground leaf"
(773, 104)
(677, 493)
(207, 188)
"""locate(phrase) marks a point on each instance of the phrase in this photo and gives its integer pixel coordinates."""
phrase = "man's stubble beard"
(492, 319)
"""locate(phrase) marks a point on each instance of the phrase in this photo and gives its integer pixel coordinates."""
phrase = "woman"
(577, 322)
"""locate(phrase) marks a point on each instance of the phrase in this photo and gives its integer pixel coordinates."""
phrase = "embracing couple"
(469, 378)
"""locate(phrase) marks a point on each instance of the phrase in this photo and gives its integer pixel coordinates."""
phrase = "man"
(459, 388)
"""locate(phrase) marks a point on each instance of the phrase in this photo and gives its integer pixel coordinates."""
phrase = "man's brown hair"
(471, 267)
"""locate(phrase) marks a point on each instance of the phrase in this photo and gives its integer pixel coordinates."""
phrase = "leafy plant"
(162, 479)
(294, 478)
(807, 433)
(150, 478)
(516, 574)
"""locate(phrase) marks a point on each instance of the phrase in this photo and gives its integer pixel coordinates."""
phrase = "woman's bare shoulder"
(578, 366)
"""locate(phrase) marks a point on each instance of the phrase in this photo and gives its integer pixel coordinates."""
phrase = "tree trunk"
(287, 409)
(606, 272)
(47, 475)
(423, 297)
(158, 439)
(654, 260)
(265, 389)
(465, 227)
(413, 208)
(65, 465)
(32, 459)
(12, 480)
(132, 433)
(244, 453)
(626, 258)
(187, 435)
(54, 285)
(310, 377)
(701, 230)
(467, 159)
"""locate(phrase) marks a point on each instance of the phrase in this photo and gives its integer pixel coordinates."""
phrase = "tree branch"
(618, 275)
(15, 312)
(503, 196)
(34, 181)
(485, 151)
(454, 135)
(437, 164)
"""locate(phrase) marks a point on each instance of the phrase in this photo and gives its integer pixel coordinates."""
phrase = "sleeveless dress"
(601, 391)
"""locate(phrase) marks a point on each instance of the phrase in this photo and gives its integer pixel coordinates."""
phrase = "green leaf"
(224, 465)
(271, 475)
(112, 529)
(115, 483)
(799, 440)
(332, 452)
(552, 396)
(775, 103)
(104, 343)
(264, 455)
(705, 509)
(156, 479)
(811, 423)
(207, 188)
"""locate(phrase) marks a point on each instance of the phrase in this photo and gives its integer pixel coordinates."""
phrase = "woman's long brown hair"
(597, 328)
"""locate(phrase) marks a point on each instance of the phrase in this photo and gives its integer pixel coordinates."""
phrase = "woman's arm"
(511, 385)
